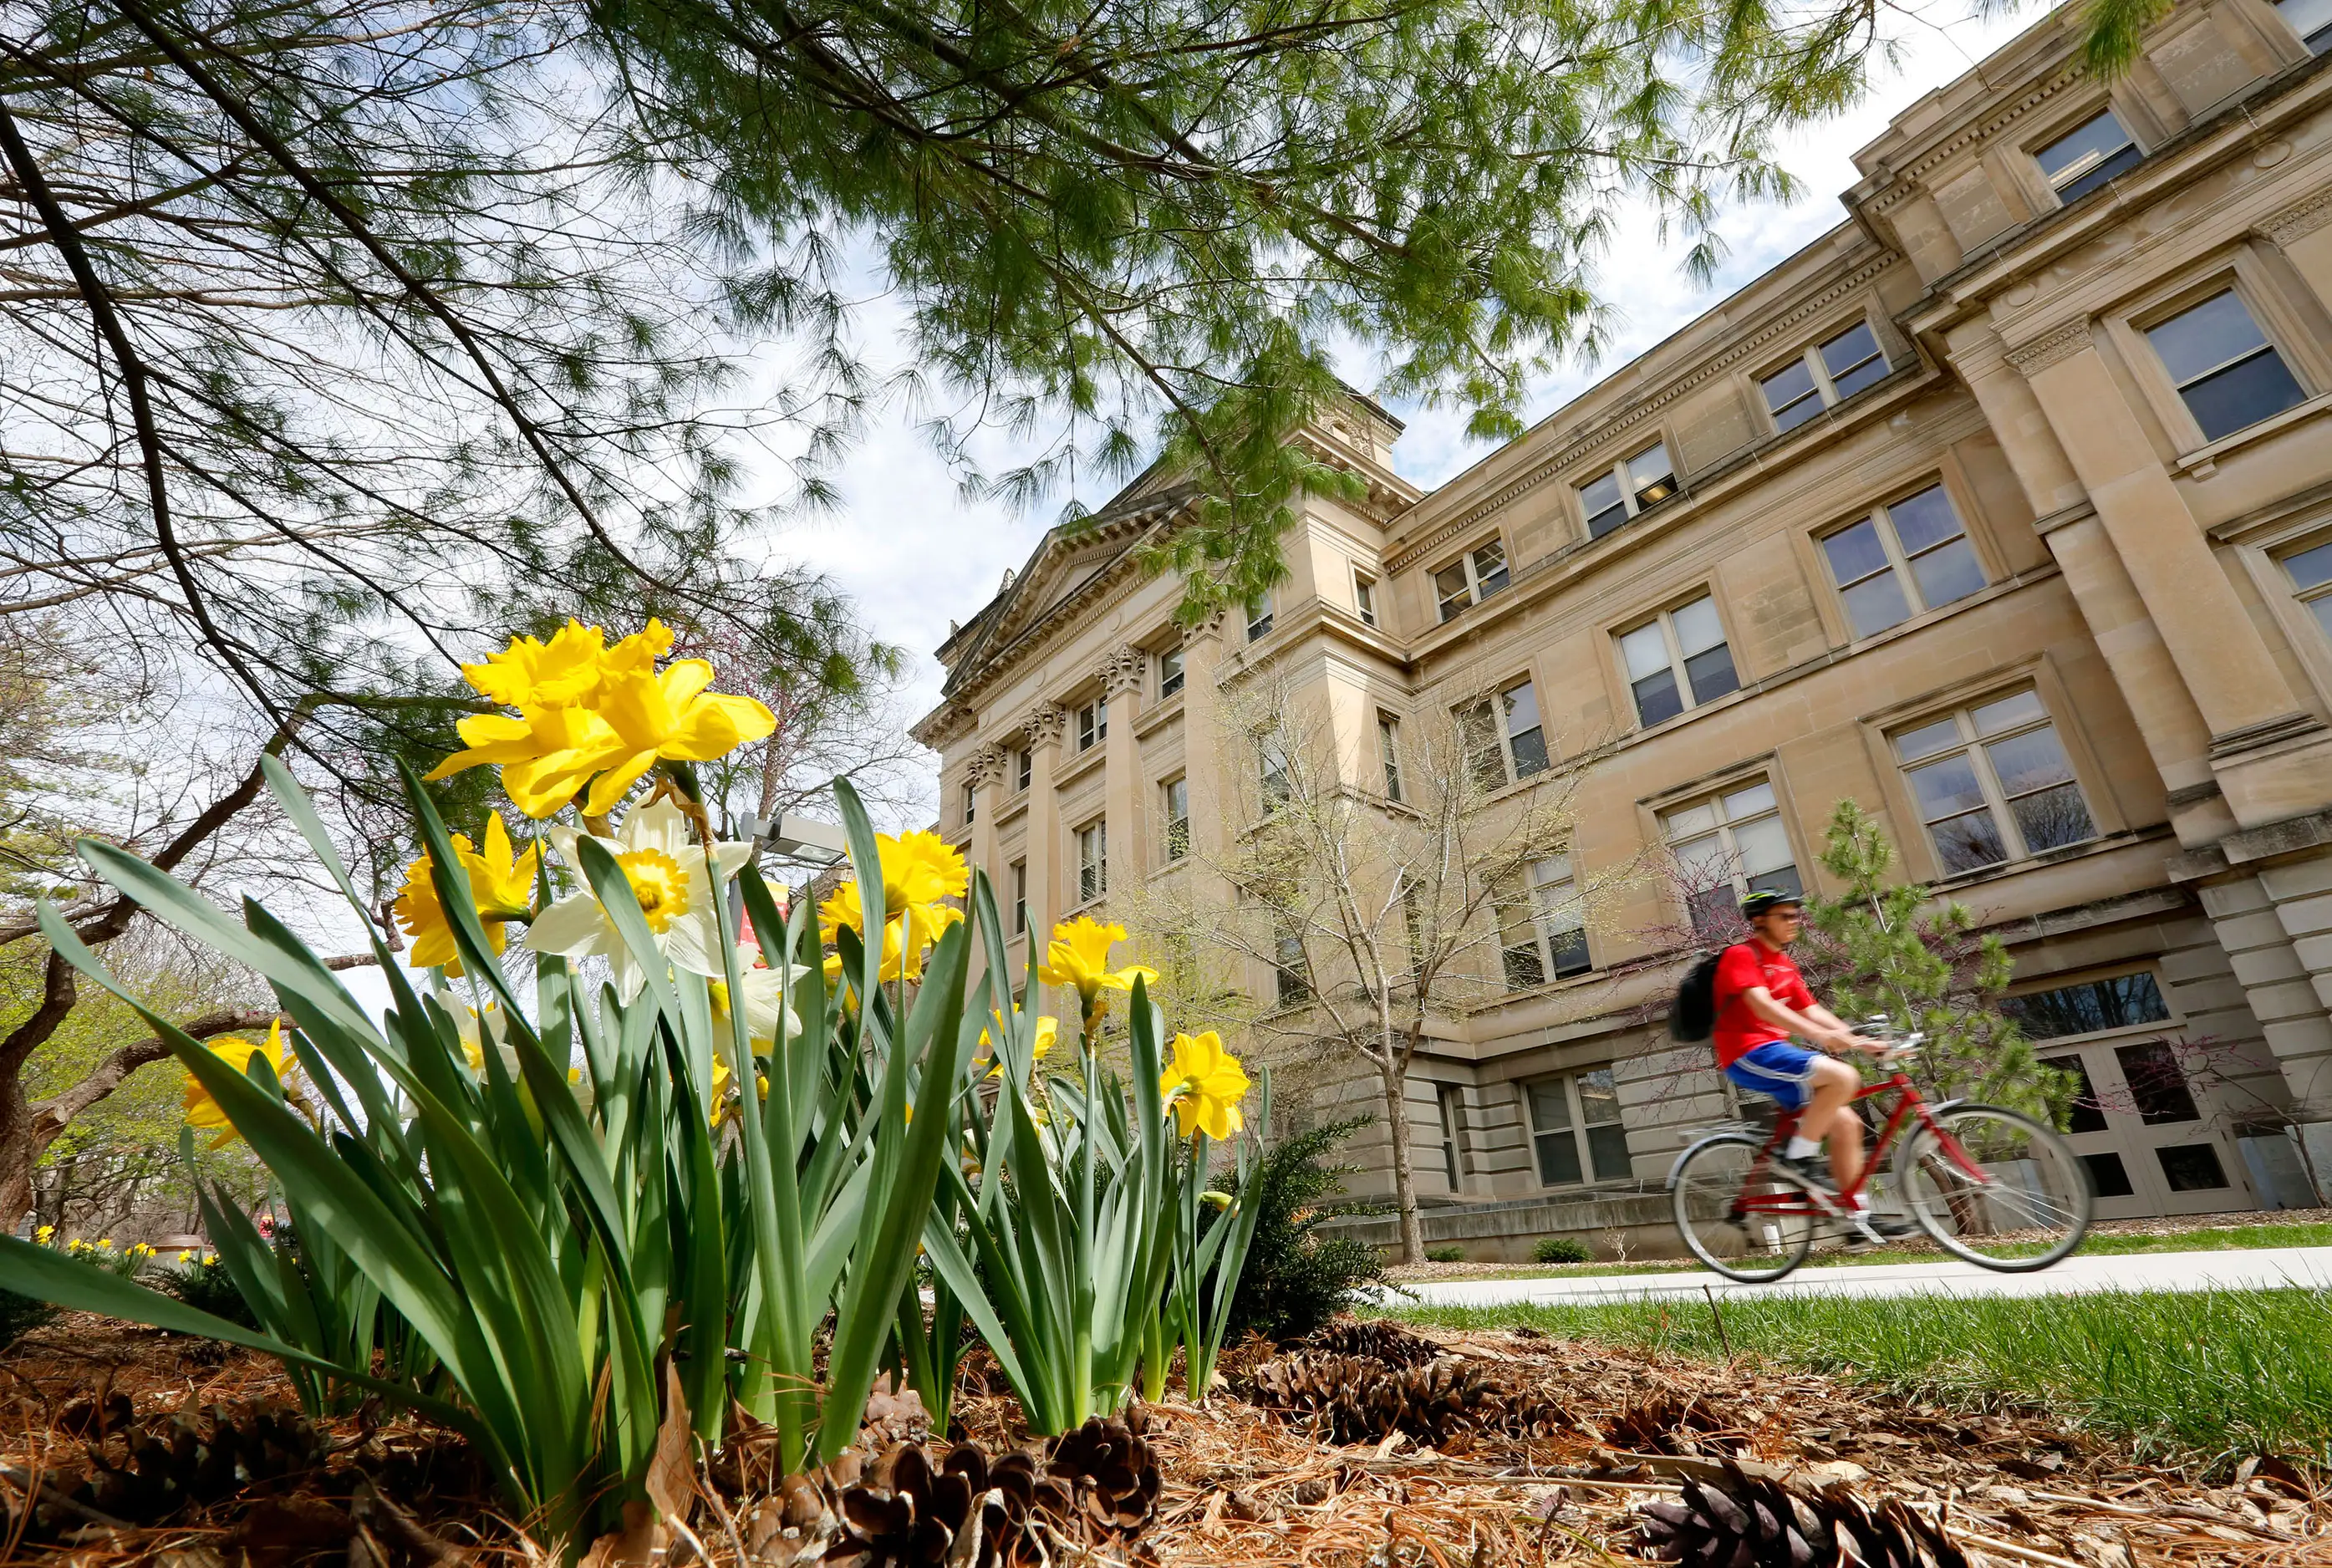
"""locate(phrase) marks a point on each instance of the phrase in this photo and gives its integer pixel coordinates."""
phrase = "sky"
(915, 555)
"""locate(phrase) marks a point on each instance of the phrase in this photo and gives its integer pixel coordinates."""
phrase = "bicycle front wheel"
(1733, 1214)
(1995, 1187)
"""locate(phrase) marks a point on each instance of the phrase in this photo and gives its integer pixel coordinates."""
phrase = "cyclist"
(1761, 1001)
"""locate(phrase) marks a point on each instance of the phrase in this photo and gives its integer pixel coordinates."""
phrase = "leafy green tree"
(1894, 948)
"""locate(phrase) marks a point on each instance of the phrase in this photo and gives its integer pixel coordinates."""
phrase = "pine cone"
(1376, 1338)
(1359, 1399)
(148, 1471)
(1111, 1468)
(1664, 1424)
(1757, 1522)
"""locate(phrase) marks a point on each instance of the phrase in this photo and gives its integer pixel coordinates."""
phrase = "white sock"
(1862, 1204)
(1802, 1148)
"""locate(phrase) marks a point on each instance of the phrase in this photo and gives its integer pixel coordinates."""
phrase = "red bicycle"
(1988, 1184)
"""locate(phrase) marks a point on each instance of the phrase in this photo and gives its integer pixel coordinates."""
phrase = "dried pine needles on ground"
(1561, 1453)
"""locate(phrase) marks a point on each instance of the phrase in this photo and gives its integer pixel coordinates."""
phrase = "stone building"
(2004, 508)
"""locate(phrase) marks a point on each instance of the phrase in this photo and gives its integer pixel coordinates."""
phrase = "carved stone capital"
(1044, 723)
(2051, 347)
(2312, 212)
(1122, 670)
(984, 767)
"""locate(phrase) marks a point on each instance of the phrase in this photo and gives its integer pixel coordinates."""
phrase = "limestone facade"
(2009, 502)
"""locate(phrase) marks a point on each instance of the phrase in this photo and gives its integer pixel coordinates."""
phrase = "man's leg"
(1829, 1117)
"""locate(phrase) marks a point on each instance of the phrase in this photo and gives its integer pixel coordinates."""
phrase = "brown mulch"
(1248, 1486)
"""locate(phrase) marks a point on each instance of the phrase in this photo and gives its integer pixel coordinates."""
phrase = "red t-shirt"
(1743, 966)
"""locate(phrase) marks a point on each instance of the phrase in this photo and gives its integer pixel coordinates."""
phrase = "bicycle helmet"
(1766, 900)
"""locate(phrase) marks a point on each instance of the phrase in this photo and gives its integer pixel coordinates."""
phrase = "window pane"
(1608, 1146)
(2089, 1007)
(2191, 1168)
(2008, 713)
(1558, 1159)
(2028, 762)
(1490, 569)
(1763, 846)
(2119, 163)
(2087, 1111)
(2312, 20)
(1569, 945)
(1748, 802)
(1551, 875)
(1657, 698)
(1947, 574)
(1601, 501)
(1876, 604)
(1946, 787)
(2208, 336)
(2323, 609)
(1696, 626)
(2053, 818)
(1524, 968)
(1691, 819)
(2240, 395)
(1711, 674)
(1782, 879)
(2310, 567)
(1913, 744)
(2070, 156)
(2109, 1175)
(1854, 553)
(1651, 476)
(1785, 389)
(1848, 352)
(1450, 590)
(1965, 842)
(1550, 1107)
(1645, 650)
(1530, 752)
(1521, 706)
(1924, 521)
(2156, 1084)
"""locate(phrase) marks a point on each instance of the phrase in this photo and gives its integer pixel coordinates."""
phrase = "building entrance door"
(2137, 1126)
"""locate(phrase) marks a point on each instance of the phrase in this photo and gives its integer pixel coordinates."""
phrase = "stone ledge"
(1506, 1231)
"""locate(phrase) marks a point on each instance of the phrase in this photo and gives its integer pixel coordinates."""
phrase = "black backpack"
(1694, 1015)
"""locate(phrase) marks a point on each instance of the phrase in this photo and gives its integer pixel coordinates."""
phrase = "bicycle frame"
(1908, 1104)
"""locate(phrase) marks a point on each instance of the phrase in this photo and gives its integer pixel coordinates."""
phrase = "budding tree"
(1363, 888)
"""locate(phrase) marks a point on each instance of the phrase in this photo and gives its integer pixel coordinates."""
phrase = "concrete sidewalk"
(2263, 1269)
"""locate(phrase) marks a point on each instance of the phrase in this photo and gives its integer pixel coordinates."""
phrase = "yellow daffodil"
(927, 921)
(1078, 958)
(185, 1255)
(1048, 1031)
(502, 885)
(44, 1234)
(546, 754)
(765, 998)
(202, 1111)
(530, 674)
(667, 877)
(666, 714)
(1204, 1085)
(919, 869)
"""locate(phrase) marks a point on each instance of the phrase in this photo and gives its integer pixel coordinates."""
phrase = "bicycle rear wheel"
(1997, 1189)
(1750, 1230)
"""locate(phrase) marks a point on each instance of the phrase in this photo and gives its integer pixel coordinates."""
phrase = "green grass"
(2206, 1375)
(2226, 1238)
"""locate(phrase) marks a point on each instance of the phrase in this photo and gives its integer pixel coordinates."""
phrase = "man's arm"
(1816, 1023)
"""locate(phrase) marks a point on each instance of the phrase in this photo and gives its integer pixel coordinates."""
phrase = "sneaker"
(1865, 1230)
(1812, 1173)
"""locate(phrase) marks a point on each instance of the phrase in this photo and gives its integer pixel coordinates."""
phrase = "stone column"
(1120, 676)
(985, 775)
(1202, 745)
(1043, 727)
(2220, 656)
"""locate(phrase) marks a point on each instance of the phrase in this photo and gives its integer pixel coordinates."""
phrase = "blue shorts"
(1778, 1070)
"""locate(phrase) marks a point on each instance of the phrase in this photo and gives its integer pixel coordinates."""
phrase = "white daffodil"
(765, 999)
(477, 1028)
(667, 875)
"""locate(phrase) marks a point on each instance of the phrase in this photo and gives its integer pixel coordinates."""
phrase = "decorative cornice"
(1044, 723)
(2051, 348)
(1583, 445)
(1122, 670)
(1907, 179)
(2305, 218)
(947, 723)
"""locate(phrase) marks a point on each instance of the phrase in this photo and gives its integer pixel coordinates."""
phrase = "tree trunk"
(1404, 1181)
(17, 1153)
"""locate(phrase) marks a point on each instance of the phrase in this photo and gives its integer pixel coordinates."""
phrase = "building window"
(2087, 1112)
(2089, 1007)
(1019, 897)
(1993, 784)
(2226, 371)
(1093, 723)
(1412, 921)
(1470, 579)
(1389, 753)
(1902, 559)
(2078, 163)
(1258, 617)
(2312, 20)
(1829, 373)
(1452, 1101)
(2157, 1083)
(1677, 660)
(1504, 742)
(1726, 846)
(1092, 861)
(1271, 770)
(2311, 575)
(1178, 817)
(1289, 982)
(1542, 925)
(1642, 481)
(971, 804)
(1169, 672)
(2191, 1168)
(2109, 1175)
(1024, 767)
(1576, 1129)
(1364, 597)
